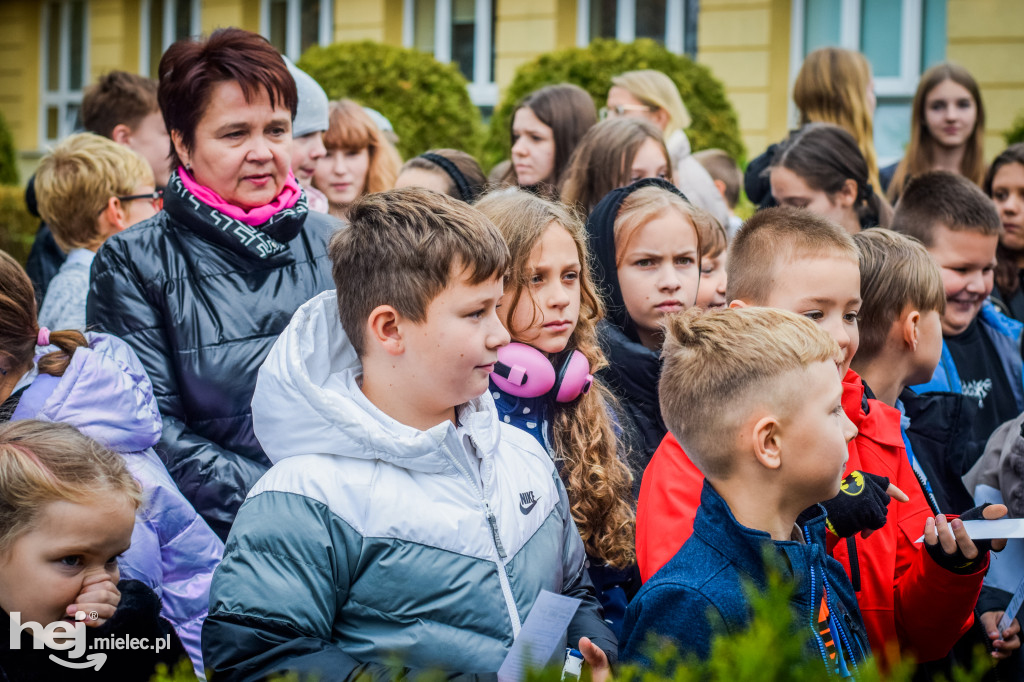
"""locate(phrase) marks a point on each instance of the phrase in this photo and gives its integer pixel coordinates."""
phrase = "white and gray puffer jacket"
(369, 541)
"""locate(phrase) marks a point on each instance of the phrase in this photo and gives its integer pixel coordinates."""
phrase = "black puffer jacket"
(202, 298)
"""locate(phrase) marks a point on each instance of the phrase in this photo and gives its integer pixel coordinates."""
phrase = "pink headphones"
(525, 372)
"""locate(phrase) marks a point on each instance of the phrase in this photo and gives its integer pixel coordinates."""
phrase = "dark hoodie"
(633, 369)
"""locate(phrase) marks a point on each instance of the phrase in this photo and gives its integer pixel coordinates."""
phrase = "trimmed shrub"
(714, 122)
(17, 226)
(8, 155)
(1015, 133)
(426, 101)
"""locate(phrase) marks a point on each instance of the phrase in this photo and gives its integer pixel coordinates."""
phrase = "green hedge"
(714, 122)
(8, 155)
(1015, 133)
(17, 226)
(426, 101)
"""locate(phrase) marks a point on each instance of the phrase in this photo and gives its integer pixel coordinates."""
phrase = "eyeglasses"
(156, 198)
(624, 109)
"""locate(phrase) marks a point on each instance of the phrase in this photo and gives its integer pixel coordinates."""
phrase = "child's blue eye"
(71, 561)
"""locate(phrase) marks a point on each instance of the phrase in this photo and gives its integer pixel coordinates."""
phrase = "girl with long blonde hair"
(947, 129)
(551, 311)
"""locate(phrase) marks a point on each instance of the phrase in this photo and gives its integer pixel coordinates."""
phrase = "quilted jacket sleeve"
(215, 480)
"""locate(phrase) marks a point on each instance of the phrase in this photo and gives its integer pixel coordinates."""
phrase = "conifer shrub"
(426, 101)
(17, 226)
(8, 155)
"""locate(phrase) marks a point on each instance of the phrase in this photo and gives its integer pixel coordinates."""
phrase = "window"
(65, 59)
(459, 31)
(901, 38)
(293, 26)
(626, 20)
(163, 23)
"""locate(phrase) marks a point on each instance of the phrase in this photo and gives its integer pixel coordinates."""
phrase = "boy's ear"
(737, 304)
(911, 323)
(768, 442)
(121, 134)
(383, 328)
(113, 218)
(846, 197)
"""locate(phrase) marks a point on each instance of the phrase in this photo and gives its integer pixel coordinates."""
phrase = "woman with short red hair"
(202, 289)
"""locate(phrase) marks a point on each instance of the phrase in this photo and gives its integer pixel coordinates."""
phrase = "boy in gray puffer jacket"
(401, 518)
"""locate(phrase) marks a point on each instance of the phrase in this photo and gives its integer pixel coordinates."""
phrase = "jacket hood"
(106, 394)
(601, 237)
(308, 401)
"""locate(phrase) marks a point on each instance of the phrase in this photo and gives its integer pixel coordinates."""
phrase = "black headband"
(461, 183)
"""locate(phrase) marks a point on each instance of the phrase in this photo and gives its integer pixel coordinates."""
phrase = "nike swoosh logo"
(526, 509)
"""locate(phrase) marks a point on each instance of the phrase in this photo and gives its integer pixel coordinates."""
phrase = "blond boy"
(88, 189)
(754, 397)
(792, 259)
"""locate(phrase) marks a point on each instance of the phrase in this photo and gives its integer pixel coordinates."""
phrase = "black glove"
(957, 562)
(862, 504)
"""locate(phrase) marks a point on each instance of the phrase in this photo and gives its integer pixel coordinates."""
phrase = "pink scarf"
(287, 198)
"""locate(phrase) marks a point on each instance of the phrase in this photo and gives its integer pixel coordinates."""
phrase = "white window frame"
(625, 23)
(483, 91)
(912, 17)
(166, 27)
(63, 96)
(293, 31)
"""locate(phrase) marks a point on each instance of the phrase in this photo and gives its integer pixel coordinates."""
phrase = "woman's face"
(341, 175)
(950, 113)
(1008, 195)
(649, 162)
(242, 150)
(621, 102)
(533, 148)
(789, 189)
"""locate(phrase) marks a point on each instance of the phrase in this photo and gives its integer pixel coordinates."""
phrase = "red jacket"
(909, 603)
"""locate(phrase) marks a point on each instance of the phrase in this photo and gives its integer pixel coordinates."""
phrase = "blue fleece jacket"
(700, 592)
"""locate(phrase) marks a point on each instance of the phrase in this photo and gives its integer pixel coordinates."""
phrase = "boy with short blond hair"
(814, 271)
(401, 519)
(88, 189)
(754, 396)
(981, 349)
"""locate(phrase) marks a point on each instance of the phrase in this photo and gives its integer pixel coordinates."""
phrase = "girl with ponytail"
(97, 384)
(820, 168)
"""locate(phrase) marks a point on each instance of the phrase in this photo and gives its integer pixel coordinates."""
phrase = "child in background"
(614, 154)
(402, 518)
(815, 272)
(448, 171)
(981, 347)
(901, 343)
(754, 395)
(646, 263)
(359, 159)
(308, 130)
(1004, 183)
(728, 178)
(88, 189)
(713, 259)
(96, 383)
(67, 509)
(551, 311)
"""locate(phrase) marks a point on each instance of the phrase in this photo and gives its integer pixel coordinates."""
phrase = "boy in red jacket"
(911, 600)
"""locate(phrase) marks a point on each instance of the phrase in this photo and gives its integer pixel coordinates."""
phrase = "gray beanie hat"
(311, 114)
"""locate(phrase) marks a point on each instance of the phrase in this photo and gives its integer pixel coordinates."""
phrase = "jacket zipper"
(817, 636)
(492, 521)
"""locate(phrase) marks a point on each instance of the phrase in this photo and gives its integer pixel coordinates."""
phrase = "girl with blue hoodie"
(96, 383)
(551, 312)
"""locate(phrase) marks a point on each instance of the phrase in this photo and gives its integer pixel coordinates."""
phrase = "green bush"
(17, 226)
(714, 122)
(8, 155)
(426, 101)
(1015, 133)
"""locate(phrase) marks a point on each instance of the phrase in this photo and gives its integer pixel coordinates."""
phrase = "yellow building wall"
(987, 37)
(363, 20)
(745, 43)
(20, 24)
(214, 14)
(525, 29)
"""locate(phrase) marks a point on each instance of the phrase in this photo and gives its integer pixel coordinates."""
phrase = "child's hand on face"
(600, 670)
(98, 599)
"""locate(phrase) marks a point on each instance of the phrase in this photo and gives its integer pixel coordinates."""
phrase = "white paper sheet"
(541, 635)
(990, 530)
(1012, 609)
